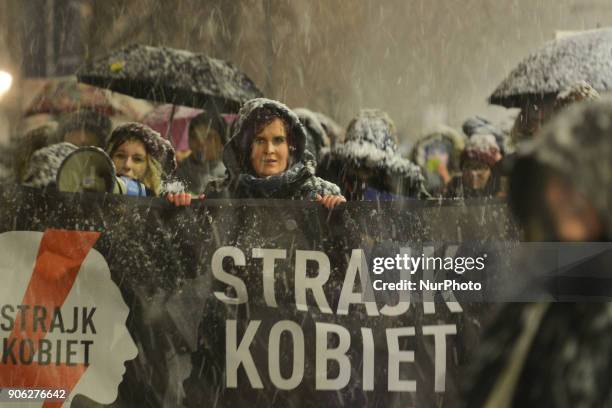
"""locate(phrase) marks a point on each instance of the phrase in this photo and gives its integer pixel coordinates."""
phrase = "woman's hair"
(153, 175)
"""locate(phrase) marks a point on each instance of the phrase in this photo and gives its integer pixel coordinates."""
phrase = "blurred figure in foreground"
(555, 354)
(535, 113)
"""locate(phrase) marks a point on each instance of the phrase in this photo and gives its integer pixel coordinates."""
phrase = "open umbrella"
(64, 94)
(172, 76)
(585, 57)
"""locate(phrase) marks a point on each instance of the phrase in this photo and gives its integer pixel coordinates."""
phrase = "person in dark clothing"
(536, 112)
(266, 158)
(206, 140)
(555, 354)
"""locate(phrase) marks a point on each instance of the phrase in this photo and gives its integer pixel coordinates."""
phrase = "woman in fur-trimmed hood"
(367, 165)
(266, 158)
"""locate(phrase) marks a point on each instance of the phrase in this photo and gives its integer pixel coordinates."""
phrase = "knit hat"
(87, 120)
(481, 148)
(159, 148)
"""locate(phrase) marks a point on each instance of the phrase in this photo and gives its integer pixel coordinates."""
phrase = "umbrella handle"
(169, 128)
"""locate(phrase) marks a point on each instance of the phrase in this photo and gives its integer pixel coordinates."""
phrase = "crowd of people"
(553, 166)
(272, 151)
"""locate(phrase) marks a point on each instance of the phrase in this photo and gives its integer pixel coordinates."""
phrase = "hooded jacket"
(298, 182)
(370, 148)
(577, 145)
(554, 354)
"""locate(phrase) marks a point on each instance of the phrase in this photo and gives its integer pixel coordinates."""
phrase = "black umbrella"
(171, 76)
(585, 57)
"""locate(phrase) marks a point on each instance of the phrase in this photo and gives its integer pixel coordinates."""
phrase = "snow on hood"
(237, 150)
(44, 164)
(371, 143)
(440, 134)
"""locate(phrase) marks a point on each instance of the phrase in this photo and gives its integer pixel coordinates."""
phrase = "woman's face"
(270, 150)
(130, 159)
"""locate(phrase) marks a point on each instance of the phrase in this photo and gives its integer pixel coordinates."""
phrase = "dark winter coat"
(298, 182)
(554, 354)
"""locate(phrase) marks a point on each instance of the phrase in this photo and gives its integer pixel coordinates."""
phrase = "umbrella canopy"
(172, 76)
(64, 94)
(158, 119)
(559, 64)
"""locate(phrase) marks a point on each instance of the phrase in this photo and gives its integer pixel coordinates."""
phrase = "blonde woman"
(140, 153)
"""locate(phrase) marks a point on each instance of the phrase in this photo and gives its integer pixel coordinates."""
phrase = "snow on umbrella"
(173, 76)
(558, 65)
(64, 95)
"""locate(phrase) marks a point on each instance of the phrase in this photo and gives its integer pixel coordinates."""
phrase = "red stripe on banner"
(59, 259)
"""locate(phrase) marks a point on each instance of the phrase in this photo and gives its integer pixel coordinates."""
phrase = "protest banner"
(269, 303)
